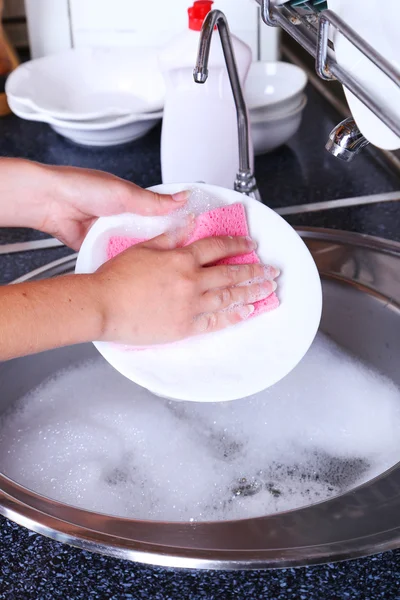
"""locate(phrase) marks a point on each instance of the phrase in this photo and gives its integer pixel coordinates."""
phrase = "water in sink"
(91, 438)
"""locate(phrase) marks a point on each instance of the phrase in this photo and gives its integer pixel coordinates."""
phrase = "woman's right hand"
(156, 293)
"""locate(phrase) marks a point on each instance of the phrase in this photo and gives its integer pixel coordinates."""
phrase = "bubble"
(198, 203)
(93, 439)
(142, 227)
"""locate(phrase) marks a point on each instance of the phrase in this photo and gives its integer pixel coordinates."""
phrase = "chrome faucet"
(245, 181)
(346, 140)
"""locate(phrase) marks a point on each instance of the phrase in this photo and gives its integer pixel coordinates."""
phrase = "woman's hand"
(154, 294)
(65, 201)
(149, 294)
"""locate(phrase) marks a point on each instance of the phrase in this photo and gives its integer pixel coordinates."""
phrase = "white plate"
(107, 137)
(378, 24)
(244, 359)
(89, 83)
(102, 123)
(105, 132)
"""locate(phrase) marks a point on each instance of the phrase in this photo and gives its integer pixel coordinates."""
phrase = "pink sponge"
(119, 243)
(227, 220)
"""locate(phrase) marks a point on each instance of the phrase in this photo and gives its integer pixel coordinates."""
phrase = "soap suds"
(93, 439)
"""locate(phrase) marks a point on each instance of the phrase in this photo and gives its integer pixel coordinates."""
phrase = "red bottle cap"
(197, 13)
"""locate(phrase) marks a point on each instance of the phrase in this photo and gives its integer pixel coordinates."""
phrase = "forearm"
(48, 314)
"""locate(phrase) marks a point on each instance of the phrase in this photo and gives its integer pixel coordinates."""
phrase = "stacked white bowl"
(275, 98)
(109, 96)
(94, 96)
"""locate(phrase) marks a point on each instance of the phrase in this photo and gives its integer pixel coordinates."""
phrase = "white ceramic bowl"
(88, 83)
(273, 86)
(270, 133)
(106, 131)
(238, 361)
(112, 136)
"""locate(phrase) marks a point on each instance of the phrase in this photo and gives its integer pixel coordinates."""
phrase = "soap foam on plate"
(144, 227)
(91, 438)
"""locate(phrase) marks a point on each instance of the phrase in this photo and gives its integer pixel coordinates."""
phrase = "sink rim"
(140, 540)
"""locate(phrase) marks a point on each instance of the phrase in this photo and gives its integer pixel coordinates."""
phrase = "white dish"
(270, 133)
(107, 131)
(102, 123)
(113, 136)
(85, 84)
(272, 86)
(377, 23)
(261, 351)
(88, 83)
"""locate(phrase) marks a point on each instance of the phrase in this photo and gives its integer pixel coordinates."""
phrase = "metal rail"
(310, 29)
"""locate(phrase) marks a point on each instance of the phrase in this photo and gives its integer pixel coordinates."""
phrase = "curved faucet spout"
(245, 181)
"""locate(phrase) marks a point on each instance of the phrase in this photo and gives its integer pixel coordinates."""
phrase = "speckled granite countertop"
(33, 567)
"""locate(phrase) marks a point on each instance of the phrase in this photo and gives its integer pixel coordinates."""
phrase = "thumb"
(148, 203)
(175, 238)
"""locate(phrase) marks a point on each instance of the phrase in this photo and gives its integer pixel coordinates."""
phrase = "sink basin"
(361, 287)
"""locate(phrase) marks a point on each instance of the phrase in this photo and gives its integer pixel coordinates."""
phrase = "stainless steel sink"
(361, 284)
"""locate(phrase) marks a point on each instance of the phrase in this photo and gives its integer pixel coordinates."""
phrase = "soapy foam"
(145, 227)
(93, 439)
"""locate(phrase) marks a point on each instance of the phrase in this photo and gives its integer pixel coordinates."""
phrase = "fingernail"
(183, 232)
(191, 222)
(246, 310)
(251, 243)
(268, 287)
(189, 225)
(271, 272)
(265, 289)
(181, 196)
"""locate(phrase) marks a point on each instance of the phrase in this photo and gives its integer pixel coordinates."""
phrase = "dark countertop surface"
(32, 566)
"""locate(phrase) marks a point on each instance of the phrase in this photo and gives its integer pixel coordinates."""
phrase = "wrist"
(92, 299)
(23, 193)
(104, 300)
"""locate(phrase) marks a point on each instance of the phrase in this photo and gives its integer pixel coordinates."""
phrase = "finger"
(213, 249)
(228, 275)
(145, 202)
(215, 321)
(175, 238)
(216, 300)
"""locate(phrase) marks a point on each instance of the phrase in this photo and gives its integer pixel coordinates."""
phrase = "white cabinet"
(55, 25)
(151, 23)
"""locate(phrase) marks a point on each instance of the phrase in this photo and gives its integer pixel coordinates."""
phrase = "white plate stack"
(93, 96)
(276, 100)
(110, 96)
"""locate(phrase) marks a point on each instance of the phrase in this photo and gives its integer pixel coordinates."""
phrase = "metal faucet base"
(245, 183)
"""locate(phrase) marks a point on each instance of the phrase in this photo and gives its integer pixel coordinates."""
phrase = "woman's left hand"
(65, 201)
